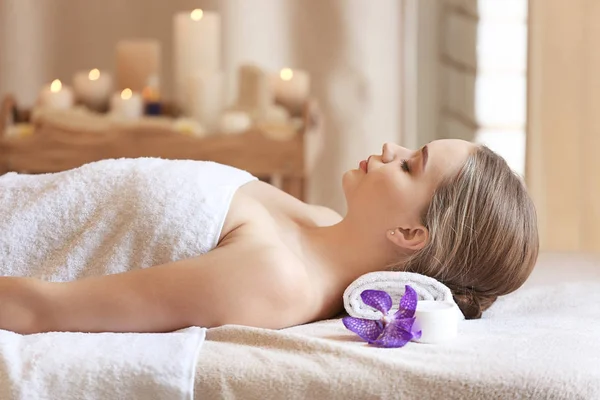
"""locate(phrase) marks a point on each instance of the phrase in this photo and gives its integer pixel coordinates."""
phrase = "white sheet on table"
(539, 342)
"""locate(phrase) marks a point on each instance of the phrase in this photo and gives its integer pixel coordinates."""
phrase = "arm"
(229, 285)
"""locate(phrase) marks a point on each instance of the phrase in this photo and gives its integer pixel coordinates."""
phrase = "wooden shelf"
(286, 163)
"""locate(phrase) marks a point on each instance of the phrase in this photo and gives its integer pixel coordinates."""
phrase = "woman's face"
(392, 189)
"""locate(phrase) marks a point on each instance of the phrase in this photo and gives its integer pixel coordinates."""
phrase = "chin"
(349, 181)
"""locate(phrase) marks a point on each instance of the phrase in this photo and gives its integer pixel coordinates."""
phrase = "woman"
(451, 210)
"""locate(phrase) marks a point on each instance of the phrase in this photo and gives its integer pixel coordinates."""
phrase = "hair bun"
(472, 304)
(469, 305)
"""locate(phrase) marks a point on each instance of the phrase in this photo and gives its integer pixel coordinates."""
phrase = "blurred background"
(516, 75)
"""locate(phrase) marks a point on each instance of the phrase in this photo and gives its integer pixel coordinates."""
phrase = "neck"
(346, 252)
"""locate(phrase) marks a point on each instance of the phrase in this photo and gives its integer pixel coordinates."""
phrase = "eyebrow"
(424, 156)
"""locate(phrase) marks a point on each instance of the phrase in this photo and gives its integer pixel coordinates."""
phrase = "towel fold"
(65, 365)
(393, 282)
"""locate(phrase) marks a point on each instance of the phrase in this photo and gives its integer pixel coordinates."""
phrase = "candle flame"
(197, 14)
(126, 94)
(56, 86)
(94, 74)
(286, 74)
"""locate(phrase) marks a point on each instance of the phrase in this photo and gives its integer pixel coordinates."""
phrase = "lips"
(363, 166)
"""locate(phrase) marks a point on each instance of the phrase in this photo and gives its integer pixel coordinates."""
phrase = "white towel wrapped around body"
(393, 282)
(103, 218)
(112, 216)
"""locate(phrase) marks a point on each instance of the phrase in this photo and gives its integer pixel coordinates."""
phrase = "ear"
(409, 238)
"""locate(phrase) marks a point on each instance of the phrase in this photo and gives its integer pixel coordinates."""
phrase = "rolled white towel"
(393, 282)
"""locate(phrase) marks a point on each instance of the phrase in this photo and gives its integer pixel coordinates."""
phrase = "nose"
(392, 150)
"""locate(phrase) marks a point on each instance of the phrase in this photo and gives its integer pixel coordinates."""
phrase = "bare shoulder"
(273, 282)
(261, 234)
(269, 259)
(284, 276)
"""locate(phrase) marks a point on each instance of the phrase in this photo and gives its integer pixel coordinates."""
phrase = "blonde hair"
(483, 239)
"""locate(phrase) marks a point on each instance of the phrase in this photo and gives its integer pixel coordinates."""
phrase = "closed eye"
(404, 165)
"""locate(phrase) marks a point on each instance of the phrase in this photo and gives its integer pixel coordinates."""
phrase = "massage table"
(540, 342)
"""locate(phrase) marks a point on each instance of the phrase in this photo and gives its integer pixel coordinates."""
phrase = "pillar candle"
(93, 88)
(255, 94)
(291, 87)
(56, 96)
(137, 61)
(127, 105)
(205, 98)
(196, 47)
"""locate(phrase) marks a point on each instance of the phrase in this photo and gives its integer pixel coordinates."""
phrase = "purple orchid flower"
(392, 330)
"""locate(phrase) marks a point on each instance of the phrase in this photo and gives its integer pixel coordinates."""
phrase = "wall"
(26, 58)
(564, 123)
(421, 78)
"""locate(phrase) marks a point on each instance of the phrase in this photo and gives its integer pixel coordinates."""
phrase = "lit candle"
(93, 88)
(127, 105)
(56, 96)
(291, 87)
(196, 47)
